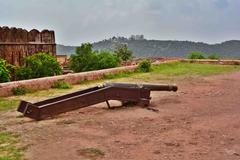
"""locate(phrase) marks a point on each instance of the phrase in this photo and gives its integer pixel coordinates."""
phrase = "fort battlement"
(17, 43)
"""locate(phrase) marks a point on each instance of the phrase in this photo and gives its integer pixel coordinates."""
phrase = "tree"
(123, 52)
(42, 65)
(4, 72)
(107, 59)
(86, 59)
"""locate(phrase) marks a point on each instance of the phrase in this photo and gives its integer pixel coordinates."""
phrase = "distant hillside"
(157, 48)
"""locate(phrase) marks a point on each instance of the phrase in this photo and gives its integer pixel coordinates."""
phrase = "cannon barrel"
(152, 87)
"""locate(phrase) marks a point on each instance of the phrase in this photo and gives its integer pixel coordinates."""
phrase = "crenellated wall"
(17, 43)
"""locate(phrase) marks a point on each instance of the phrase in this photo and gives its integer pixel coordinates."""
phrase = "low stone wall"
(47, 82)
(206, 61)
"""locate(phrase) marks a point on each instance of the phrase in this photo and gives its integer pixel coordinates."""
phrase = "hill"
(159, 48)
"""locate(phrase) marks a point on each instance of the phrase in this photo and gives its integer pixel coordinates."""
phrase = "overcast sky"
(77, 21)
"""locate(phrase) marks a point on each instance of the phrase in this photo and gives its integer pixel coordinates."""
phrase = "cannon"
(124, 92)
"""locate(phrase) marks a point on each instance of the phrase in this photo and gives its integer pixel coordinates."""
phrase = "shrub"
(23, 73)
(42, 65)
(4, 72)
(20, 90)
(214, 56)
(196, 55)
(144, 66)
(60, 84)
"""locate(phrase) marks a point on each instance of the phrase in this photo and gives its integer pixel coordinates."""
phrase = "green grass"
(9, 147)
(181, 69)
(7, 103)
(61, 85)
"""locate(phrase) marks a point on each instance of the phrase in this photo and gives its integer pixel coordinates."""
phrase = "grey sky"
(77, 21)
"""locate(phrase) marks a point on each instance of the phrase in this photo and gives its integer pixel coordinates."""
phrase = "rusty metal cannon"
(124, 92)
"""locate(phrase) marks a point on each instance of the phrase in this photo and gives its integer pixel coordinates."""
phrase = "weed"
(60, 84)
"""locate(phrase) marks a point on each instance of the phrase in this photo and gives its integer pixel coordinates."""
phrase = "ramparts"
(17, 43)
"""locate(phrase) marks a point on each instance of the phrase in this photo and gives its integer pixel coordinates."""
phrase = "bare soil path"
(199, 122)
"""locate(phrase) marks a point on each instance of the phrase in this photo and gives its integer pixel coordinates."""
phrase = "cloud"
(77, 21)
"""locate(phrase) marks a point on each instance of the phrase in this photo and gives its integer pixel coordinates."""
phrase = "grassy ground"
(9, 147)
(165, 72)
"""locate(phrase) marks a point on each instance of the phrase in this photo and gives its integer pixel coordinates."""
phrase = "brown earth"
(199, 122)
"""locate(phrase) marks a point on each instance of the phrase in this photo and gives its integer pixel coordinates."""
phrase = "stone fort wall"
(17, 43)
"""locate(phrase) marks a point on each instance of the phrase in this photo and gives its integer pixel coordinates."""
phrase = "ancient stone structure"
(17, 43)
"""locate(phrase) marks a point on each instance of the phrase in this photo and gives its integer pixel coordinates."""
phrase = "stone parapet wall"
(47, 82)
(17, 43)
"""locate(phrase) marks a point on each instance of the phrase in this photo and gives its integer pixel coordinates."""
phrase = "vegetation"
(23, 73)
(214, 56)
(123, 52)
(6, 104)
(144, 66)
(4, 72)
(20, 90)
(61, 85)
(196, 55)
(9, 148)
(42, 65)
(86, 59)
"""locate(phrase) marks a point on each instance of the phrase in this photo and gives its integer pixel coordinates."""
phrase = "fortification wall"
(17, 43)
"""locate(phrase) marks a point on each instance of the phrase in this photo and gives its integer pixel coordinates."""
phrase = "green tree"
(42, 65)
(4, 72)
(107, 59)
(123, 51)
(86, 59)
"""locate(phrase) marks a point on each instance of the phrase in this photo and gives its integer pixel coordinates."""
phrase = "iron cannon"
(124, 92)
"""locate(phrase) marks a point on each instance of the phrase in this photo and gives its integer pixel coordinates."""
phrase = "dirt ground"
(199, 122)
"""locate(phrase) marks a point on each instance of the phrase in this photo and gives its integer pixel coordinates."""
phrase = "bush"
(20, 90)
(42, 65)
(60, 84)
(4, 72)
(87, 60)
(144, 66)
(214, 56)
(196, 55)
(23, 73)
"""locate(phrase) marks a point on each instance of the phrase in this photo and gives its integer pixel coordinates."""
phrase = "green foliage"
(123, 52)
(60, 84)
(4, 72)
(23, 73)
(42, 65)
(214, 56)
(20, 90)
(196, 55)
(107, 59)
(87, 60)
(144, 66)
(9, 147)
